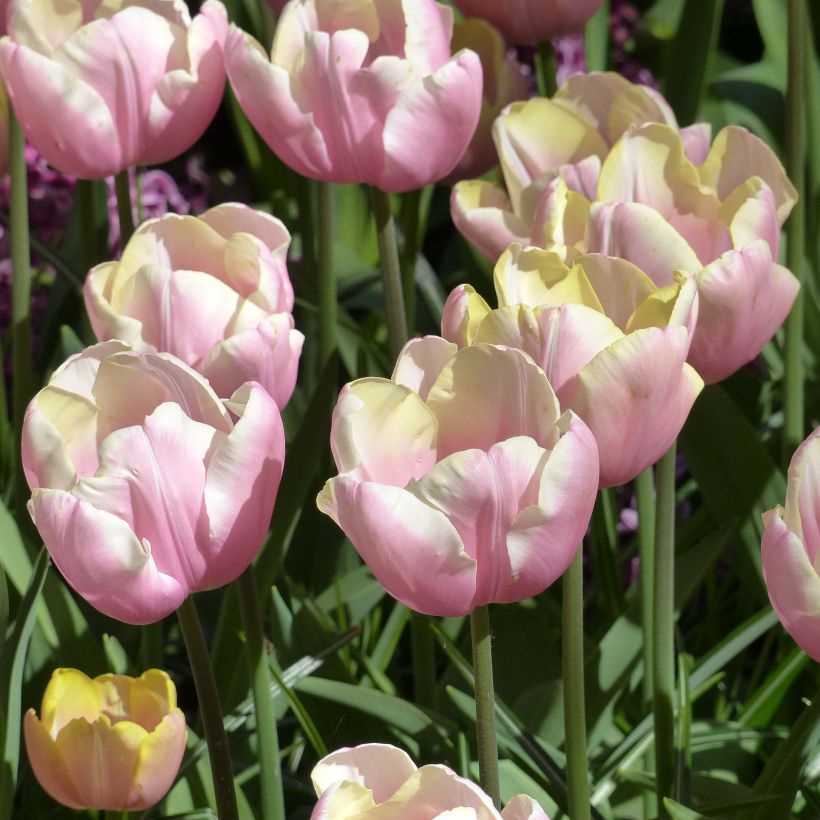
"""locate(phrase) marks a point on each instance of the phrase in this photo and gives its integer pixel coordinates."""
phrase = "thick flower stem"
(485, 704)
(793, 382)
(575, 725)
(20, 288)
(663, 648)
(328, 299)
(270, 771)
(411, 220)
(391, 271)
(209, 709)
(125, 212)
(596, 39)
(424, 660)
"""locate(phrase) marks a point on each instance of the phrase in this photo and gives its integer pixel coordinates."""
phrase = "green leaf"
(760, 708)
(680, 812)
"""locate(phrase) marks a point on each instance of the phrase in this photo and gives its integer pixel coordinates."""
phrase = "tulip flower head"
(98, 86)
(790, 551)
(457, 496)
(212, 290)
(612, 344)
(112, 742)
(365, 91)
(569, 136)
(145, 486)
(377, 781)
(525, 22)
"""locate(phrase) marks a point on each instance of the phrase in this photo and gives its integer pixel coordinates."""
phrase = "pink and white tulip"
(377, 781)
(98, 86)
(144, 487)
(212, 290)
(566, 136)
(360, 92)
(790, 551)
(531, 21)
(453, 495)
(612, 344)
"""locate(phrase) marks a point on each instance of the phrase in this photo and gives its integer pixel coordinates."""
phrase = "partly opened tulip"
(791, 549)
(213, 290)
(457, 495)
(112, 743)
(360, 92)
(102, 86)
(531, 21)
(380, 782)
(145, 486)
(612, 344)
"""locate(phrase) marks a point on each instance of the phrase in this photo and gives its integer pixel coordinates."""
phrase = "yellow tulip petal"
(619, 285)
(70, 694)
(160, 754)
(48, 764)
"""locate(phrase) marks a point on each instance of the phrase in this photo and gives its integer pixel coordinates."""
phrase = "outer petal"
(101, 558)
(544, 537)
(268, 354)
(412, 549)
(744, 298)
(371, 412)
(241, 484)
(105, 321)
(420, 362)
(158, 762)
(522, 402)
(483, 214)
(440, 112)
(635, 396)
(696, 141)
(792, 582)
(380, 767)
(802, 513)
(463, 312)
(48, 764)
(345, 799)
(522, 807)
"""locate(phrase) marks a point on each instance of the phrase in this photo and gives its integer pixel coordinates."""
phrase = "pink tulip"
(717, 222)
(455, 495)
(504, 82)
(531, 21)
(98, 87)
(612, 344)
(790, 551)
(567, 136)
(113, 742)
(376, 781)
(212, 290)
(360, 92)
(144, 487)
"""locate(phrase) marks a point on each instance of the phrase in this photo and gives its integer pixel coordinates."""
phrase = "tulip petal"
(48, 764)
(380, 767)
(618, 285)
(802, 513)
(792, 582)
(70, 694)
(744, 298)
(368, 413)
(241, 483)
(521, 403)
(463, 312)
(160, 755)
(421, 361)
(696, 141)
(412, 549)
(544, 536)
(522, 807)
(344, 799)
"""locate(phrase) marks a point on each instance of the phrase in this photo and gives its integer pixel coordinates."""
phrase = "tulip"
(212, 290)
(790, 551)
(567, 136)
(717, 222)
(98, 87)
(456, 496)
(360, 92)
(612, 344)
(144, 488)
(504, 82)
(527, 22)
(377, 781)
(112, 742)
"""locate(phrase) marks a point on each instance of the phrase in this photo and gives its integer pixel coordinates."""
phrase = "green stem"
(209, 709)
(691, 54)
(603, 542)
(391, 271)
(424, 660)
(20, 289)
(793, 383)
(138, 191)
(663, 649)
(485, 704)
(328, 299)
(575, 727)
(152, 646)
(125, 213)
(545, 70)
(411, 220)
(270, 770)
(596, 39)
